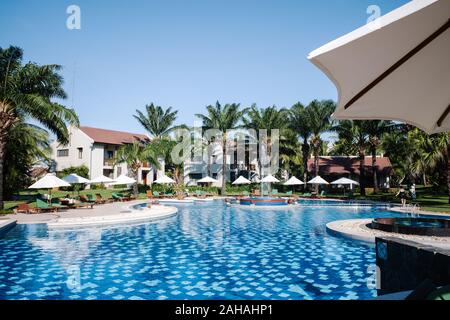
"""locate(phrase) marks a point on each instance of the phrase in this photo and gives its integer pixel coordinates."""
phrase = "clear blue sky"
(185, 54)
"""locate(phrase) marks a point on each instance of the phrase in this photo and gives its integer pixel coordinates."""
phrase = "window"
(109, 154)
(80, 153)
(195, 176)
(62, 153)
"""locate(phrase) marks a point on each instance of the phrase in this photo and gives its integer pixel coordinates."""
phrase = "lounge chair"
(119, 197)
(200, 194)
(91, 198)
(307, 194)
(24, 208)
(168, 195)
(289, 193)
(42, 206)
(86, 200)
(245, 193)
(156, 194)
(100, 199)
(274, 192)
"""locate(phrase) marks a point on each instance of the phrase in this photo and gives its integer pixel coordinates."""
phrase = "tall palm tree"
(319, 119)
(26, 91)
(266, 118)
(222, 118)
(354, 135)
(157, 121)
(298, 121)
(134, 155)
(375, 129)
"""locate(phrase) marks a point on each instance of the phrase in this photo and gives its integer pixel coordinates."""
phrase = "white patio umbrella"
(269, 179)
(49, 181)
(293, 181)
(345, 181)
(102, 179)
(395, 68)
(318, 180)
(241, 180)
(123, 179)
(207, 180)
(164, 180)
(76, 180)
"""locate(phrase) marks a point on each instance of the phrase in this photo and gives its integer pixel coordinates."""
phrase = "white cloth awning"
(293, 181)
(318, 180)
(73, 178)
(123, 179)
(394, 68)
(164, 180)
(269, 179)
(345, 181)
(207, 180)
(102, 179)
(49, 181)
(241, 180)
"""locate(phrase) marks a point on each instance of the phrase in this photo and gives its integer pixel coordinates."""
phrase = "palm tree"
(318, 117)
(269, 118)
(134, 155)
(353, 135)
(298, 121)
(26, 91)
(375, 130)
(222, 118)
(157, 121)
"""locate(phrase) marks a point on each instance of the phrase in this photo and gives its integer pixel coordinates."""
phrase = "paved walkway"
(107, 209)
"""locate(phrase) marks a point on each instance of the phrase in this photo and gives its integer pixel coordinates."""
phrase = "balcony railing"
(108, 162)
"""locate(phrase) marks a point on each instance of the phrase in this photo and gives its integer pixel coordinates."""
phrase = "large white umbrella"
(345, 181)
(241, 180)
(164, 180)
(207, 180)
(123, 179)
(49, 181)
(269, 179)
(76, 180)
(102, 179)
(293, 181)
(73, 178)
(395, 68)
(318, 180)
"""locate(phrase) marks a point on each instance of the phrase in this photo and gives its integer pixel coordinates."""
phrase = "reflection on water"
(207, 251)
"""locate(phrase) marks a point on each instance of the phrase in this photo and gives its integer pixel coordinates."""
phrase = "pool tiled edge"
(6, 225)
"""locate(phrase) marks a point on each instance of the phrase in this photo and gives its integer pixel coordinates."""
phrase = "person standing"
(402, 195)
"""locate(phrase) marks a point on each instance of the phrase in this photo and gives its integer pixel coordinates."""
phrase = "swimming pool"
(207, 251)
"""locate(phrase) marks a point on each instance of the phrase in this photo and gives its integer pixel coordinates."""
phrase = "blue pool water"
(207, 251)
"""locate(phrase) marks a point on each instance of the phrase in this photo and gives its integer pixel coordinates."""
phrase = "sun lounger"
(274, 192)
(289, 193)
(24, 208)
(156, 194)
(99, 199)
(119, 197)
(245, 193)
(86, 200)
(42, 206)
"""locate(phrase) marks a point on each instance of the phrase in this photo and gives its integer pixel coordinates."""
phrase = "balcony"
(108, 162)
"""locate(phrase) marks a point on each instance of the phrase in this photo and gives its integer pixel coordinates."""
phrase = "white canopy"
(49, 181)
(102, 179)
(123, 179)
(293, 181)
(241, 180)
(318, 180)
(394, 68)
(270, 179)
(73, 178)
(345, 181)
(164, 180)
(207, 180)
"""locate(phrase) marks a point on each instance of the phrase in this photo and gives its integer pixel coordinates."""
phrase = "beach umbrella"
(241, 180)
(394, 68)
(164, 180)
(207, 180)
(76, 180)
(293, 181)
(101, 179)
(318, 180)
(123, 179)
(269, 179)
(345, 181)
(49, 181)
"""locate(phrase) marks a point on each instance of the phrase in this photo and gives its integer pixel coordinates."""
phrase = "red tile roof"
(112, 137)
(347, 165)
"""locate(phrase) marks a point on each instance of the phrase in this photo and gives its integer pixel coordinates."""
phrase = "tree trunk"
(424, 177)
(374, 170)
(447, 171)
(305, 150)
(2, 160)
(224, 167)
(362, 170)
(316, 171)
(135, 185)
